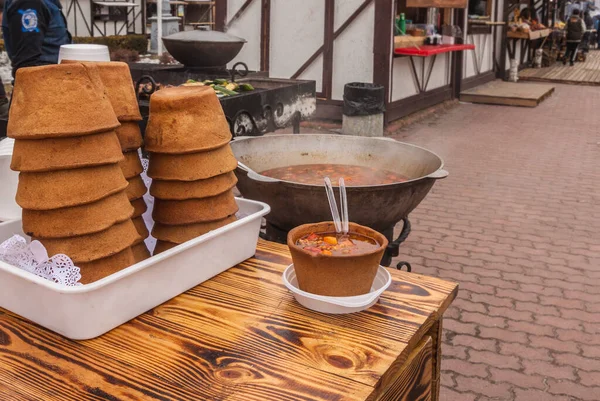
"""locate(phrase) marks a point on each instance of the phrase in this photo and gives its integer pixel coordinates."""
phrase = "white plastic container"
(90, 310)
(83, 52)
(9, 210)
(337, 305)
(447, 40)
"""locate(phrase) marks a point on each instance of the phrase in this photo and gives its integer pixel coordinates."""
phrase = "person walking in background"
(589, 22)
(575, 28)
(589, 25)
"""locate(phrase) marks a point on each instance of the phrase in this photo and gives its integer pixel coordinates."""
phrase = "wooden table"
(240, 336)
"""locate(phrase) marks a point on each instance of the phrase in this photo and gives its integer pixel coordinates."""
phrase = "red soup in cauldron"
(336, 244)
(313, 174)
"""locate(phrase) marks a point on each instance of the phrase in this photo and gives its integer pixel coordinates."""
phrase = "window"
(480, 8)
(104, 13)
(479, 11)
(419, 15)
(413, 15)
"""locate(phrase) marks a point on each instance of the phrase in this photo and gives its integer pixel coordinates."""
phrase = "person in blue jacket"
(33, 32)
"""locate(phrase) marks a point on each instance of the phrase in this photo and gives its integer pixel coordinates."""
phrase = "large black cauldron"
(203, 48)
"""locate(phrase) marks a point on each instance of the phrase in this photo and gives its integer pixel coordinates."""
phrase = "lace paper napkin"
(33, 258)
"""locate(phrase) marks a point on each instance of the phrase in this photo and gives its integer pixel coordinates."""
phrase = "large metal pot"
(293, 204)
(203, 48)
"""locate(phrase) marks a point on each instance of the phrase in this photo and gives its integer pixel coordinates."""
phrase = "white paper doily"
(33, 258)
(149, 199)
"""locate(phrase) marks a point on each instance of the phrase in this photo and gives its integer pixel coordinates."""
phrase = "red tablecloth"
(430, 50)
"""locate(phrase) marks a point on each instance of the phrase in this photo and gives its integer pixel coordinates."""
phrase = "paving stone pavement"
(517, 224)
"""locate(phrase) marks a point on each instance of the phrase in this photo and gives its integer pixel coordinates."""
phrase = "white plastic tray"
(337, 305)
(9, 209)
(90, 310)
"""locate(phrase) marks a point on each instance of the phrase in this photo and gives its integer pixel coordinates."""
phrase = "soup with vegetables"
(335, 244)
(313, 174)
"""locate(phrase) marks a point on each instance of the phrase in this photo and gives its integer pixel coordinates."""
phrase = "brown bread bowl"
(192, 166)
(129, 135)
(189, 211)
(140, 252)
(97, 269)
(90, 247)
(136, 188)
(66, 153)
(186, 120)
(139, 207)
(162, 246)
(140, 226)
(180, 190)
(58, 101)
(118, 84)
(64, 188)
(336, 276)
(131, 165)
(77, 220)
(181, 234)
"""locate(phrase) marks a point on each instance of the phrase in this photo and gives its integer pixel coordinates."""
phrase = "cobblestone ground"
(517, 224)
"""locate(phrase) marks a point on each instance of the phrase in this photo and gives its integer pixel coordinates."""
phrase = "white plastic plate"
(90, 310)
(337, 305)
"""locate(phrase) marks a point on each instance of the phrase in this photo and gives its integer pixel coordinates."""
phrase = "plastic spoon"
(333, 205)
(344, 202)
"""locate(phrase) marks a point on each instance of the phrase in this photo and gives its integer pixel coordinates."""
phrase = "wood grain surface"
(239, 336)
(414, 381)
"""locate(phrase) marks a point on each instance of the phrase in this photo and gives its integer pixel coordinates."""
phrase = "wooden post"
(328, 49)
(503, 43)
(436, 335)
(382, 45)
(265, 35)
(456, 69)
(220, 15)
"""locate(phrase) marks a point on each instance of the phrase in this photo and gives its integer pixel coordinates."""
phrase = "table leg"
(436, 335)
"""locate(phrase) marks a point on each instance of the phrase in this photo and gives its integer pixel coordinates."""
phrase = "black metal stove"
(273, 233)
(274, 104)
(176, 74)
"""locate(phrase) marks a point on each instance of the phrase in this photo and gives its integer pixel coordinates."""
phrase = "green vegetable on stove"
(246, 87)
(224, 90)
(220, 81)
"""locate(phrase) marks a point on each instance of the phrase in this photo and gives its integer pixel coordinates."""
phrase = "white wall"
(517, 54)
(297, 31)
(403, 80)
(353, 49)
(499, 31)
(79, 18)
(247, 27)
(403, 83)
(482, 55)
(484, 46)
